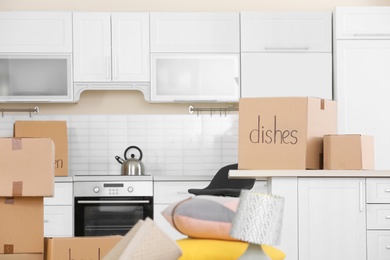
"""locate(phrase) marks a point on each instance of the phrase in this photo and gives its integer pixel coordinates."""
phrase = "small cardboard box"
(26, 167)
(284, 133)
(21, 257)
(349, 152)
(56, 130)
(21, 225)
(91, 248)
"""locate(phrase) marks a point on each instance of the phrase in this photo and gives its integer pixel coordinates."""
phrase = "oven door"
(102, 216)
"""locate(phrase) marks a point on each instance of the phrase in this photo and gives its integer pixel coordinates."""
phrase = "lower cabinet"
(332, 218)
(58, 211)
(378, 218)
(168, 192)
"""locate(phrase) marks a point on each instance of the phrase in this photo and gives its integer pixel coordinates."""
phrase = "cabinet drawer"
(378, 190)
(63, 195)
(378, 245)
(58, 221)
(378, 216)
(286, 32)
(368, 22)
(169, 192)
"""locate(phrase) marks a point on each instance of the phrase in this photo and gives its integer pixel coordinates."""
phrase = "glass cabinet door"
(195, 77)
(35, 78)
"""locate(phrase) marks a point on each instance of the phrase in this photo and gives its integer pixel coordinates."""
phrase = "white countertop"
(307, 173)
(183, 178)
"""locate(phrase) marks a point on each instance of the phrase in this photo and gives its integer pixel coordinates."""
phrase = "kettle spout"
(120, 160)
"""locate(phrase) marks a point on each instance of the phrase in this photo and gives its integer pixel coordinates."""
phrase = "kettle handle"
(135, 147)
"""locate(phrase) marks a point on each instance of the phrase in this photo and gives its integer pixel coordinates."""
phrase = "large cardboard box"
(21, 225)
(349, 152)
(26, 167)
(56, 130)
(21, 257)
(284, 133)
(91, 248)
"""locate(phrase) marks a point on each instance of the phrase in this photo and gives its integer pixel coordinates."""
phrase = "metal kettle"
(131, 166)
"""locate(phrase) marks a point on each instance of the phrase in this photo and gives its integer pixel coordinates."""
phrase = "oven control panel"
(112, 188)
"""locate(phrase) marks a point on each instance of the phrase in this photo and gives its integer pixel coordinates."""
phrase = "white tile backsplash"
(171, 144)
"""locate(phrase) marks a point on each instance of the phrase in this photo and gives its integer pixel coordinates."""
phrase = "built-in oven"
(111, 205)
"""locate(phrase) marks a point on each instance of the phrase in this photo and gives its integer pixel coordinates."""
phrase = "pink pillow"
(203, 216)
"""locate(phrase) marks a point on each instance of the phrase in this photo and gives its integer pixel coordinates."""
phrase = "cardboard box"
(349, 152)
(21, 225)
(27, 167)
(22, 257)
(91, 248)
(284, 133)
(56, 130)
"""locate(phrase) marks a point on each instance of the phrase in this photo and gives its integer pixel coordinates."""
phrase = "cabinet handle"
(387, 217)
(387, 190)
(286, 48)
(108, 67)
(45, 221)
(387, 247)
(115, 67)
(361, 198)
(371, 34)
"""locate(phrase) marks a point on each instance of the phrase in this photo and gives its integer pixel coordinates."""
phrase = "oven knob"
(96, 189)
(130, 189)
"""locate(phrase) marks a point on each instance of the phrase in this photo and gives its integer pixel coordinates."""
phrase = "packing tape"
(8, 249)
(10, 200)
(17, 188)
(16, 144)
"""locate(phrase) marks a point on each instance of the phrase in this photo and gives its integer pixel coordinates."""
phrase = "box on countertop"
(21, 225)
(93, 248)
(284, 133)
(349, 152)
(56, 130)
(27, 167)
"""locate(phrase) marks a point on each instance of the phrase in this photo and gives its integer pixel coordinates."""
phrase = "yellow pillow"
(213, 249)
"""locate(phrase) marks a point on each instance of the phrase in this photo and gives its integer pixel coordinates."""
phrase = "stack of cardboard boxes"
(28, 164)
(298, 133)
(26, 176)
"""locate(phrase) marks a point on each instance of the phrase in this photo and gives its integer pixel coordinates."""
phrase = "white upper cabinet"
(35, 32)
(363, 22)
(194, 32)
(286, 54)
(111, 47)
(286, 32)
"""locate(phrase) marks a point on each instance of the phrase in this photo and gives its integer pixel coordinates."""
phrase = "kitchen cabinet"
(36, 77)
(35, 32)
(111, 48)
(187, 32)
(332, 218)
(36, 57)
(58, 210)
(378, 218)
(362, 22)
(362, 79)
(195, 57)
(168, 190)
(286, 54)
